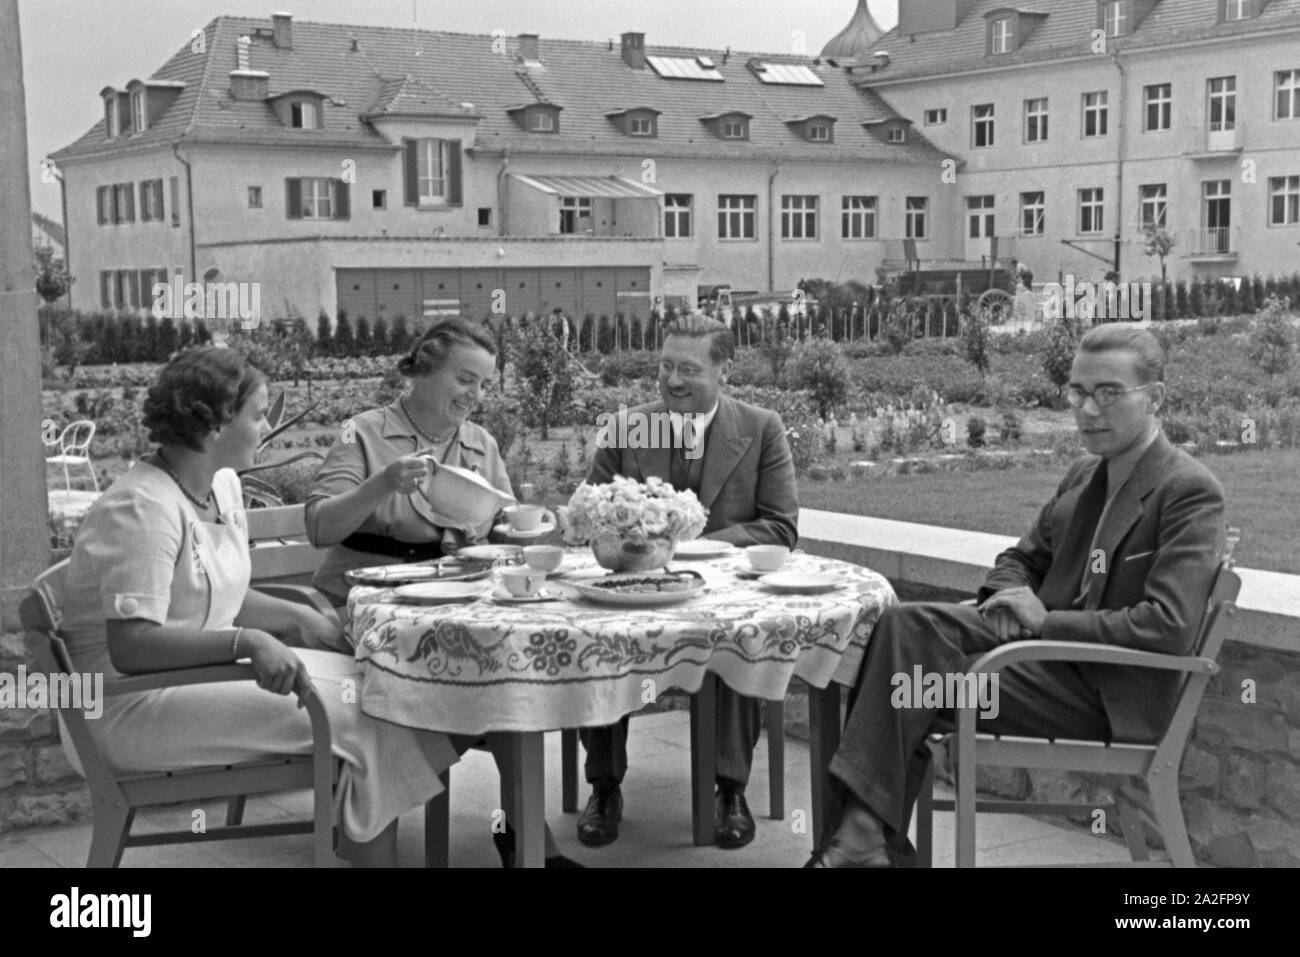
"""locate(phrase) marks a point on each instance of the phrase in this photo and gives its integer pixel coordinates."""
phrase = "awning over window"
(602, 187)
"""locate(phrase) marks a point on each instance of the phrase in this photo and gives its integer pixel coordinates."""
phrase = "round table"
(493, 666)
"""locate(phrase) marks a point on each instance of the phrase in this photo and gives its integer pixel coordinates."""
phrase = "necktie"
(679, 471)
(1061, 588)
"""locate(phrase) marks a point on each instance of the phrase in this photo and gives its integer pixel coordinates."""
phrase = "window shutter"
(411, 172)
(129, 193)
(453, 173)
(145, 278)
(105, 289)
(101, 205)
(145, 212)
(176, 200)
(342, 200)
(293, 197)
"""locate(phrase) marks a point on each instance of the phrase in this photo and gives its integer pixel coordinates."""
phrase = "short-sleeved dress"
(144, 552)
(369, 443)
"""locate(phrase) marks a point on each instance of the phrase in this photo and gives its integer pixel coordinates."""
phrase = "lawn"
(1260, 486)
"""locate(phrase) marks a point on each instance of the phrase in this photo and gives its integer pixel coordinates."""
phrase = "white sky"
(74, 48)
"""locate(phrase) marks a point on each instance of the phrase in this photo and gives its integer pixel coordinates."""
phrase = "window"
(1095, 113)
(677, 215)
(1114, 17)
(641, 126)
(139, 118)
(914, 225)
(112, 123)
(1036, 120)
(431, 176)
(1001, 36)
(175, 187)
(317, 197)
(123, 203)
(982, 125)
(736, 216)
(574, 209)
(1288, 95)
(1284, 201)
(304, 115)
(798, 217)
(1236, 10)
(1159, 101)
(1091, 211)
(1153, 207)
(104, 205)
(1033, 213)
(819, 132)
(151, 201)
(980, 216)
(897, 134)
(936, 117)
(858, 217)
(1216, 217)
(734, 129)
(379, 199)
(254, 197)
(485, 215)
(541, 121)
(1222, 96)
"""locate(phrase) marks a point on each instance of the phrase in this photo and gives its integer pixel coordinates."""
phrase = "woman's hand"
(321, 632)
(278, 669)
(407, 474)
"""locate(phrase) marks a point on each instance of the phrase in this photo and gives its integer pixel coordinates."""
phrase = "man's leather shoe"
(598, 823)
(505, 842)
(859, 841)
(832, 854)
(734, 825)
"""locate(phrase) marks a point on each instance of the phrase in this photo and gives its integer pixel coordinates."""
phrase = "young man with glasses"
(1124, 554)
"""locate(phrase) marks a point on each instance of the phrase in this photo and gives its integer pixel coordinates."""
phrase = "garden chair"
(74, 449)
(283, 559)
(116, 797)
(1158, 763)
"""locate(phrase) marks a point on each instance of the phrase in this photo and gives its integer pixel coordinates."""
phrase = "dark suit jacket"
(748, 479)
(1162, 541)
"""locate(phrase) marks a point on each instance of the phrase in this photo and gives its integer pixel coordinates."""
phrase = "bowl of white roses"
(632, 526)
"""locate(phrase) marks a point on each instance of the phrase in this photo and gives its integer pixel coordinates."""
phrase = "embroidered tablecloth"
(487, 666)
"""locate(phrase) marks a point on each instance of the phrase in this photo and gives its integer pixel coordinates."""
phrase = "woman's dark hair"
(433, 348)
(196, 392)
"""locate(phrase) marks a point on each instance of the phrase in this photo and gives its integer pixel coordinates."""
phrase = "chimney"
(282, 30)
(634, 50)
(243, 53)
(528, 47)
(250, 84)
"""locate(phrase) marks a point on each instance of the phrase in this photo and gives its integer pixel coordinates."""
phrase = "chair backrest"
(75, 439)
(41, 613)
(277, 539)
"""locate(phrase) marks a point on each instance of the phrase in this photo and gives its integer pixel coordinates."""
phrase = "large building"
(393, 171)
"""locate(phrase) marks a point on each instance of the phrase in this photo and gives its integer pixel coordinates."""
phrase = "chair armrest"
(178, 677)
(1016, 651)
(300, 595)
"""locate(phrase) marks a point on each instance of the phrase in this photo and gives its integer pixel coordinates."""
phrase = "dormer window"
(537, 117)
(897, 134)
(735, 129)
(1002, 35)
(641, 121)
(728, 126)
(817, 128)
(541, 123)
(139, 116)
(1235, 10)
(304, 115)
(301, 109)
(112, 120)
(1114, 17)
(641, 126)
(819, 132)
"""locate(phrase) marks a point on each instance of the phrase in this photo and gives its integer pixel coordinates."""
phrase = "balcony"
(1217, 140)
(1212, 245)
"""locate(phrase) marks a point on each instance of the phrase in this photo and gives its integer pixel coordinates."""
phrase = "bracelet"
(234, 644)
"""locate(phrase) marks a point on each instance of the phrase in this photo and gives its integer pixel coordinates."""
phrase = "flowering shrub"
(631, 511)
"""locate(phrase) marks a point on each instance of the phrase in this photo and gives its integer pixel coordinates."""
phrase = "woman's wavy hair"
(198, 391)
(433, 348)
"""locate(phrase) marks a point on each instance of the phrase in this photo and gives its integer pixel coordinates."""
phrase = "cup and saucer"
(521, 584)
(526, 521)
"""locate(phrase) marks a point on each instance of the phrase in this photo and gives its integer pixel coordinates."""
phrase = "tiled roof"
(405, 71)
(1065, 31)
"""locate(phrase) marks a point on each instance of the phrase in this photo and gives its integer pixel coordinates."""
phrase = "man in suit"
(1124, 554)
(745, 478)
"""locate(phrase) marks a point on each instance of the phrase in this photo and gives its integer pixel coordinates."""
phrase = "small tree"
(379, 336)
(324, 333)
(1058, 357)
(365, 345)
(1272, 341)
(344, 343)
(543, 371)
(821, 368)
(1160, 243)
(52, 277)
(975, 340)
(168, 338)
(399, 337)
(774, 344)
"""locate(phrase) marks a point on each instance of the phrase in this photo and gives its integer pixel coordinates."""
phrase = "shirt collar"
(397, 425)
(700, 422)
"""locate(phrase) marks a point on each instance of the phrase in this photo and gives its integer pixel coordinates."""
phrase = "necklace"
(206, 503)
(433, 440)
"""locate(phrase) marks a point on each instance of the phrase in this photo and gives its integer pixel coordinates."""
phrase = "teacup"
(767, 558)
(522, 581)
(527, 518)
(544, 558)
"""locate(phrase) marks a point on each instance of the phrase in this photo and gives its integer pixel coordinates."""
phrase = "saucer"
(800, 583)
(501, 594)
(543, 529)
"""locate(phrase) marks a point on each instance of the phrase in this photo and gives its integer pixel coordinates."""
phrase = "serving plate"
(601, 591)
(800, 583)
(701, 548)
(443, 570)
(506, 529)
(439, 593)
(490, 553)
(503, 596)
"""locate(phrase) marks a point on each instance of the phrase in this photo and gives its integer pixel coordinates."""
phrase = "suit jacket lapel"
(725, 448)
(1125, 510)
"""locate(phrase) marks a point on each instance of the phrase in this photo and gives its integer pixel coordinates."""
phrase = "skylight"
(790, 74)
(684, 68)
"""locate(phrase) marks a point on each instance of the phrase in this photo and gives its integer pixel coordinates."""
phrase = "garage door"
(439, 293)
(356, 292)
(397, 293)
(633, 291)
(598, 291)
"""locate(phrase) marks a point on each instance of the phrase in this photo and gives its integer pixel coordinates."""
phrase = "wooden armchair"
(116, 797)
(1158, 763)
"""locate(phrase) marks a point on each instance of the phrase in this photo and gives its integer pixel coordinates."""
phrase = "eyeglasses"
(1103, 395)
